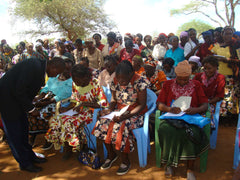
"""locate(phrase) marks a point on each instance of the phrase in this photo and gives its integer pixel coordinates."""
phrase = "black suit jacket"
(19, 86)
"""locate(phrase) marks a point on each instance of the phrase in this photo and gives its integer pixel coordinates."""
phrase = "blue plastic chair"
(213, 137)
(236, 157)
(142, 134)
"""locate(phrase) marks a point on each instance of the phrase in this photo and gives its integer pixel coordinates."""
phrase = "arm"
(191, 53)
(197, 110)
(165, 108)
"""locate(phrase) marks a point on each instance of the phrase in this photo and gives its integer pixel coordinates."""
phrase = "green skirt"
(176, 145)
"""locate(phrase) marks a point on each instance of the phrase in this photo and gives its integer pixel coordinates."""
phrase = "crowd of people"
(206, 70)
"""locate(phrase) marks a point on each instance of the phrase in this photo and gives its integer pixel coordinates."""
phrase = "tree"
(72, 18)
(196, 24)
(223, 11)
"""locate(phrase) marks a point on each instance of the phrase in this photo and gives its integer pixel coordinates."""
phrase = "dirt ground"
(219, 167)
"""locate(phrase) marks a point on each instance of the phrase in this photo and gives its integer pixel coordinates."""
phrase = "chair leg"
(157, 144)
(203, 161)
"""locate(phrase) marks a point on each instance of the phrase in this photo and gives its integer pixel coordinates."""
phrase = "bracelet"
(31, 110)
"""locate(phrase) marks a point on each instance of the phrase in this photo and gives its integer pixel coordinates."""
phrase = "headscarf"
(237, 33)
(207, 33)
(38, 44)
(195, 59)
(183, 34)
(97, 34)
(90, 39)
(183, 69)
(162, 34)
(128, 35)
(150, 61)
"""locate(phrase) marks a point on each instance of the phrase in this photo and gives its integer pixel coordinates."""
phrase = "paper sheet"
(71, 112)
(174, 115)
(116, 113)
(183, 102)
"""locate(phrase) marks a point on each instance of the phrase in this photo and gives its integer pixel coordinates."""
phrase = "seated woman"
(108, 74)
(156, 77)
(128, 52)
(168, 68)
(194, 61)
(137, 63)
(85, 62)
(68, 130)
(175, 143)
(55, 90)
(128, 88)
(213, 83)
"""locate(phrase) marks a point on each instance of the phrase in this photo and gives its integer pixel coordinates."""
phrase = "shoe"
(39, 160)
(123, 169)
(47, 146)
(31, 168)
(108, 163)
(168, 171)
(190, 176)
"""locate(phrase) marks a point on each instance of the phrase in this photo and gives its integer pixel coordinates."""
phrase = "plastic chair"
(236, 157)
(203, 156)
(142, 134)
(213, 137)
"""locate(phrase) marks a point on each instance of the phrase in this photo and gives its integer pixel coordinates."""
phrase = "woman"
(7, 54)
(77, 53)
(108, 74)
(93, 54)
(137, 63)
(156, 77)
(16, 58)
(203, 50)
(191, 47)
(128, 52)
(213, 83)
(168, 68)
(30, 53)
(176, 53)
(138, 41)
(39, 49)
(218, 35)
(85, 62)
(228, 66)
(62, 52)
(146, 51)
(127, 88)
(183, 39)
(161, 48)
(55, 90)
(175, 143)
(97, 37)
(68, 130)
(194, 61)
(112, 47)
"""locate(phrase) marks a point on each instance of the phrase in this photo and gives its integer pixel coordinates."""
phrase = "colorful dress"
(156, 80)
(65, 128)
(114, 50)
(120, 133)
(26, 55)
(124, 55)
(146, 52)
(175, 143)
(60, 90)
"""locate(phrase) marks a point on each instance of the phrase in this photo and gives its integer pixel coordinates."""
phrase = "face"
(138, 41)
(182, 80)
(136, 63)
(227, 35)
(45, 42)
(175, 42)
(161, 39)
(110, 41)
(110, 67)
(184, 39)
(123, 79)
(192, 35)
(30, 49)
(129, 49)
(89, 44)
(149, 70)
(78, 46)
(208, 39)
(194, 65)
(97, 39)
(167, 67)
(209, 69)
(61, 48)
(83, 82)
(20, 49)
(39, 48)
(148, 41)
(217, 36)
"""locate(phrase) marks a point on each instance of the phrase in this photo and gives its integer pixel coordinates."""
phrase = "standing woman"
(228, 66)
(112, 47)
(191, 47)
(146, 51)
(93, 54)
(183, 39)
(128, 88)
(98, 44)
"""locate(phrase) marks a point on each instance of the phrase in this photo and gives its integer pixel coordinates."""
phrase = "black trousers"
(16, 131)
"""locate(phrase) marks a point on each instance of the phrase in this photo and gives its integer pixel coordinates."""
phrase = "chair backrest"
(236, 157)
(151, 98)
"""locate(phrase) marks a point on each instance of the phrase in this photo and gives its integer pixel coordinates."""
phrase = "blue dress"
(177, 55)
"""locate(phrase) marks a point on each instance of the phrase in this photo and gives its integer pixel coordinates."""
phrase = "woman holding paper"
(175, 143)
(87, 94)
(128, 88)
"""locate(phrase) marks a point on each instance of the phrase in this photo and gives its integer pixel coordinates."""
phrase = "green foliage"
(200, 26)
(72, 18)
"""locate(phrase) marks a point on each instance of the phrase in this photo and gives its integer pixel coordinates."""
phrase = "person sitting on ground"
(108, 74)
(168, 68)
(194, 61)
(146, 51)
(87, 94)
(98, 44)
(56, 89)
(156, 77)
(128, 52)
(85, 62)
(213, 83)
(128, 88)
(175, 143)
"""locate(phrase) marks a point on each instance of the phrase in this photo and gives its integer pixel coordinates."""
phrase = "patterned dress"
(156, 80)
(120, 133)
(65, 128)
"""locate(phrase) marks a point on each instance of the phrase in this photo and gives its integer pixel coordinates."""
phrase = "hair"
(97, 34)
(191, 29)
(147, 36)
(85, 59)
(140, 36)
(125, 68)
(57, 62)
(218, 29)
(23, 44)
(228, 27)
(39, 40)
(139, 58)
(80, 71)
(172, 37)
(111, 58)
(211, 60)
(78, 41)
(112, 35)
(128, 43)
(168, 61)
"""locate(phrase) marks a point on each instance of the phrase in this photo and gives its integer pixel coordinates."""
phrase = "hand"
(35, 113)
(175, 110)
(62, 109)
(105, 112)
(116, 119)
(191, 111)
(42, 103)
(78, 108)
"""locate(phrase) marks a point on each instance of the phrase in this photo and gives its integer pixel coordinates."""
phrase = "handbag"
(89, 157)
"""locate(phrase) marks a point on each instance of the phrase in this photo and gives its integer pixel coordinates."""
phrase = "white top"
(188, 47)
